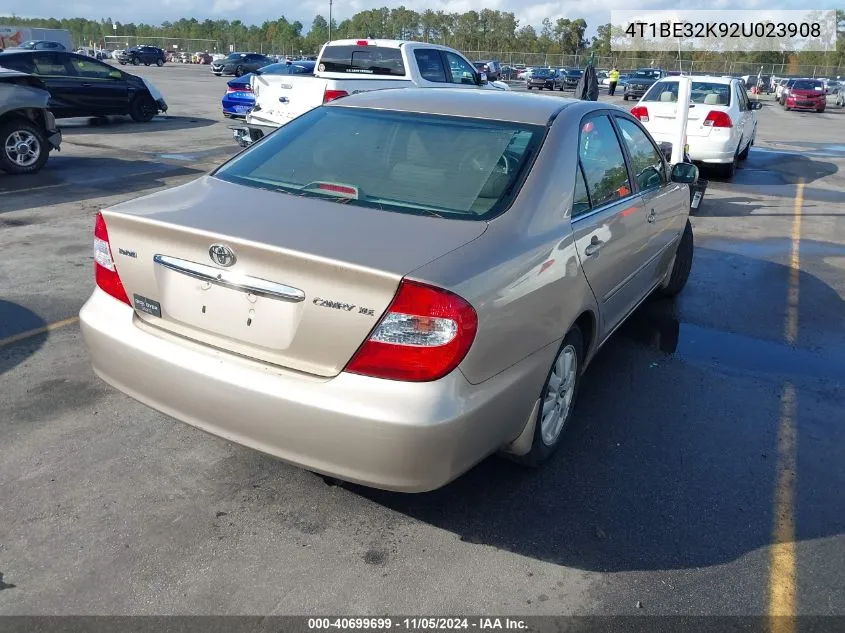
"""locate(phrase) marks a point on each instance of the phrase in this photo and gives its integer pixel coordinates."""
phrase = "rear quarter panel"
(522, 276)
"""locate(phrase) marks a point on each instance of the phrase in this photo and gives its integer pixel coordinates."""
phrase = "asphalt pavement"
(703, 474)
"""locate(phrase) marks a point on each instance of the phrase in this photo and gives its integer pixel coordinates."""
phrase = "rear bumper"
(409, 437)
(704, 149)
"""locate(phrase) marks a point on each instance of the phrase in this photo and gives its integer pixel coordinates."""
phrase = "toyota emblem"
(222, 255)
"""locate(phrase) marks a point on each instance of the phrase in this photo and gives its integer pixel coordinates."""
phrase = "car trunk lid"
(309, 280)
(662, 118)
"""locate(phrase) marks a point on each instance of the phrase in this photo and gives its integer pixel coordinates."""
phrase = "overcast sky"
(256, 11)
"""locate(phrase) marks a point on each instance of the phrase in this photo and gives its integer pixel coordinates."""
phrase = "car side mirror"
(756, 105)
(685, 173)
(482, 78)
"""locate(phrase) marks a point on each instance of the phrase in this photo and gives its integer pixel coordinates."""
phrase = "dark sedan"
(81, 86)
(640, 81)
(239, 97)
(547, 78)
(238, 64)
(570, 78)
(41, 45)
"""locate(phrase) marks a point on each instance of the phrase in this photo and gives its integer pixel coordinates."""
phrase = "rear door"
(609, 223)
(66, 98)
(102, 88)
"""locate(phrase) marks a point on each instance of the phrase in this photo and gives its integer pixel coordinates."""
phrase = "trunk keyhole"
(203, 309)
(249, 319)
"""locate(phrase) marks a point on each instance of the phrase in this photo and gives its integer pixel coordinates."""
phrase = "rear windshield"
(807, 84)
(543, 72)
(394, 161)
(703, 92)
(366, 60)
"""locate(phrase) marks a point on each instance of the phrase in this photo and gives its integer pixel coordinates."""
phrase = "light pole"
(330, 20)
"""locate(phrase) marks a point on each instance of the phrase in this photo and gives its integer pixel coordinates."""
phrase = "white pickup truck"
(346, 67)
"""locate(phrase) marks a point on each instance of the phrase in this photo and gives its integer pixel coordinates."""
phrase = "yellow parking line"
(783, 564)
(791, 328)
(41, 330)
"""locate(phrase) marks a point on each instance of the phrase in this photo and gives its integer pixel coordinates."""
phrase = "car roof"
(494, 104)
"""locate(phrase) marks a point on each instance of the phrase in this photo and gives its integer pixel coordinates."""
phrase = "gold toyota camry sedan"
(392, 287)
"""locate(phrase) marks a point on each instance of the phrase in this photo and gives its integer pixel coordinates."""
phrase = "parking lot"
(708, 433)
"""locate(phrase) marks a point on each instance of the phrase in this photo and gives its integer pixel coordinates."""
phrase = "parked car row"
(61, 84)
(240, 99)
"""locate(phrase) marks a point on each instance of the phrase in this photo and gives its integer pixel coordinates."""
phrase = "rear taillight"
(331, 95)
(717, 118)
(425, 333)
(245, 88)
(105, 272)
(641, 112)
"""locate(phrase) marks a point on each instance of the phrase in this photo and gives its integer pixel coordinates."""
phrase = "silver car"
(389, 288)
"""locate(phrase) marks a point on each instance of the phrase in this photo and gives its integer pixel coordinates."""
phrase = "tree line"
(485, 30)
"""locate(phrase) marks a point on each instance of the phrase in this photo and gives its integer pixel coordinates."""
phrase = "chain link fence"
(721, 65)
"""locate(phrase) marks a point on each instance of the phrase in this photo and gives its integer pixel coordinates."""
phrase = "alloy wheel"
(22, 148)
(560, 391)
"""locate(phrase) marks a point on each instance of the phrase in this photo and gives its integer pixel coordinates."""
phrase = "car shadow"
(15, 321)
(668, 463)
(75, 178)
(768, 167)
(125, 125)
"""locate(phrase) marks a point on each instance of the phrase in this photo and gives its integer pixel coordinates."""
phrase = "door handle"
(651, 217)
(593, 247)
(86, 85)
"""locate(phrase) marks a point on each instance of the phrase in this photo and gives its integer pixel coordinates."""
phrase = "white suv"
(722, 120)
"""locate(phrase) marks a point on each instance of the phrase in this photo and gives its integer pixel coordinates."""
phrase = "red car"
(805, 94)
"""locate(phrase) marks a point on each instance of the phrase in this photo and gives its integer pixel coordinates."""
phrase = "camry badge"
(222, 255)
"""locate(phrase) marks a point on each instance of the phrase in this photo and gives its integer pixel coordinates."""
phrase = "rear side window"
(400, 162)
(602, 161)
(21, 63)
(48, 64)
(366, 60)
(430, 63)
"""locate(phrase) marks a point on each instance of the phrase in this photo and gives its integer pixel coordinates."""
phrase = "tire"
(146, 63)
(13, 135)
(529, 87)
(681, 265)
(785, 107)
(159, 63)
(123, 63)
(239, 71)
(744, 153)
(542, 445)
(143, 108)
(820, 110)
(625, 97)
(729, 170)
(135, 61)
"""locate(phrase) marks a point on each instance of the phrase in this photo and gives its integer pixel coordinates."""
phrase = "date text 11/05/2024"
(416, 624)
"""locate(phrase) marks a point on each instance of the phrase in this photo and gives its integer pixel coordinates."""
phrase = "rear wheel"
(625, 97)
(143, 108)
(135, 61)
(557, 400)
(159, 63)
(681, 265)
(729, 170)
(820, 110)
(24, 148)
(744, 153)
(239, 71)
